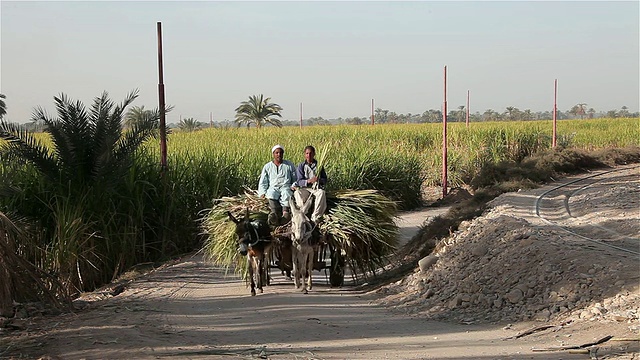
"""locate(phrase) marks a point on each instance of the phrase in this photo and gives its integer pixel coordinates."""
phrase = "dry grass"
(21, 281)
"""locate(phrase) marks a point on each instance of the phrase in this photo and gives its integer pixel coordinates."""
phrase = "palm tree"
(258, 110)
(3, 106)
(511, 110)
(88, 146)
(624, 112)
(137, 114)
(189, 125)
(582, 110)
(490, 115)
(36, 125)
(88, 162)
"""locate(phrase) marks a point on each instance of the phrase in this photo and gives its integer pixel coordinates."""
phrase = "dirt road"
(191, 310)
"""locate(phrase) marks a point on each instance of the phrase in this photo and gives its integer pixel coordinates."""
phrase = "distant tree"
(404, 118)
(491, 115)
(37, 124)
(381, 116)
(624, 112)
(582, 110)
(393, 117)
(591, 112)
(3, 106)
(318, 121)
(462, 113)
(189, 125)
(432, 115)
(353, 121)
(612, 114)
(137, 115)
(258, 110)
(548, 115)
(512, 113)
(578, 110)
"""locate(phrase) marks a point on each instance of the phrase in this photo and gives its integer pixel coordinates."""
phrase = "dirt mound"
(504, 266)
(454, 196)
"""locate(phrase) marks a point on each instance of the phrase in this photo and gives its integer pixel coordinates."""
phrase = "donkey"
(302, 244)
(254, 242)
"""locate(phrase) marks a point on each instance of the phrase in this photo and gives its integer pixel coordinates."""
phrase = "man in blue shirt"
(310, 183)
(276, 183)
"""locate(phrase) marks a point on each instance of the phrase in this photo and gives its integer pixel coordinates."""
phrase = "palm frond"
(22, 146)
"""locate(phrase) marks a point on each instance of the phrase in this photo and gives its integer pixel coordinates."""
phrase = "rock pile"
(501, 268)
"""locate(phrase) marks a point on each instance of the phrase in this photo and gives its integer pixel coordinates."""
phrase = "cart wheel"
(336, 273)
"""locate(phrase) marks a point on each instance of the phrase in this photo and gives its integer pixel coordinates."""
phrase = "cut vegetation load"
(358, 227)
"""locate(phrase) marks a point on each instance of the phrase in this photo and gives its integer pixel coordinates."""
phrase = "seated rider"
(310, 183)
(276, 184)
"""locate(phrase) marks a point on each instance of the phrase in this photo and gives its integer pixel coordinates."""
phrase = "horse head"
(244, 232)
(301, 228)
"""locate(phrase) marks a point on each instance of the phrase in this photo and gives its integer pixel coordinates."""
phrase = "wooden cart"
(327, 257)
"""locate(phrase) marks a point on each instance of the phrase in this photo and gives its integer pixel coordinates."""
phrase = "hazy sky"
(334, 57)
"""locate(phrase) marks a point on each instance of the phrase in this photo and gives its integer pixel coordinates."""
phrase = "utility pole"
(555, 111)
(444, 138)
(467, 109)
(163, 119)
(372, 117)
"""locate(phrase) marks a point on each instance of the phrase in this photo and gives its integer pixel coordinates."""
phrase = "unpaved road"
(191, 310)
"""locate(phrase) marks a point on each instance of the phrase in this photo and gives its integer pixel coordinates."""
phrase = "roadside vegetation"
(91, 200)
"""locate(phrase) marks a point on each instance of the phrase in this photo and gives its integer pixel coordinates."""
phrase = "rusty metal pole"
(467, 109)
(444, 138)
(163, 123)
(372, 117)
(555, 111)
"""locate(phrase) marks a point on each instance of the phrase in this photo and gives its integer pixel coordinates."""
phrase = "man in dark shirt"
(310, 183)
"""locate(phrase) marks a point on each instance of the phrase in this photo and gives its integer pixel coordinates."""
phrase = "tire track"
(553, 207)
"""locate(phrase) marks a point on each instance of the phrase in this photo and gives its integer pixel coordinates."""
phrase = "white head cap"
(275, 147)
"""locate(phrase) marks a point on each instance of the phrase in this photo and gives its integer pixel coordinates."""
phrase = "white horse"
(301, 243)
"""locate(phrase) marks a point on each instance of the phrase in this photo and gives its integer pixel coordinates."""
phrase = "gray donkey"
(302, 244)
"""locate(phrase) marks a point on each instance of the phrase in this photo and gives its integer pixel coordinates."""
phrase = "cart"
(326, 256)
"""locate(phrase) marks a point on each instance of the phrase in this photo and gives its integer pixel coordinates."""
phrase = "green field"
(89, 235)
(396, 159)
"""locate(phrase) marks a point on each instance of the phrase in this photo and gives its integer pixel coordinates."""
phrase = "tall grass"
(148, 217)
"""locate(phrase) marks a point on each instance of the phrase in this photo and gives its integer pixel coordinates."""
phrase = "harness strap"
(254, 226)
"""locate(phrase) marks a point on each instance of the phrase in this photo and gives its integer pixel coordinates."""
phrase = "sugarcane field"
(500, 259)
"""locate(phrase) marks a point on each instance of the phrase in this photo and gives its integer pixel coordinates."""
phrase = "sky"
(334, 58)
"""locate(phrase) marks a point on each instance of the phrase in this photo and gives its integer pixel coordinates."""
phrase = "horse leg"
(310, 259)
(266, 264)
(302, 267)
(286, 260)
(297, 269)
(260, 271)
(253, 282)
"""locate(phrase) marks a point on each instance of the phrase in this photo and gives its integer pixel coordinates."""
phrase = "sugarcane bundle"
(221, 242)
(359, 223)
